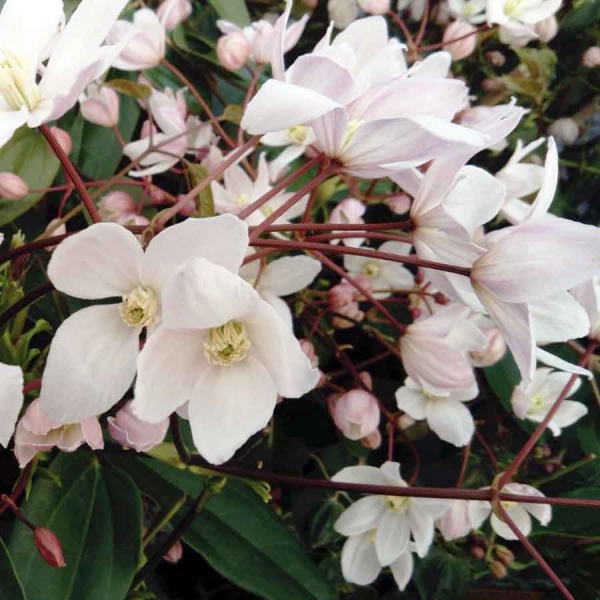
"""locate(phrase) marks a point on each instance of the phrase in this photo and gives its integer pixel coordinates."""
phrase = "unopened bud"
(100, 105)
(174, 553)
(63, 139)
(477, 552)
(173, 12)
(565, 130)
(415, 313)
(466, 39)
(54, 228)
(404, 422)
(375, 7)
(399, 204)
(492, 84)
(591, 57)
(233, 50)
(49, 547)
(12, 187)
(504, 555)
(498, 570)
(495, 58)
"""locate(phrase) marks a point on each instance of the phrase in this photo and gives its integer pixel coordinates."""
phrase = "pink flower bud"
(309, 349)
(372, 441)
(454, 523)
(399, 204)
(173, 12)
(233, 50)
(504, 554)
(591, 57)
(495, 350)
(352, 311)
(340, 295)
(156, 194)
(188, 209)
(499, 571)
(51, 230)
(174, 553)
(49, 547)
(492, 84)
(495, 58)
(63, 139)
(12, 187)
(375, 7)
(115, 202)
(565, 130)
(461, 48)
(356, 414)
(100, 105)
(366, 379)
(546, 29)
(131, 432)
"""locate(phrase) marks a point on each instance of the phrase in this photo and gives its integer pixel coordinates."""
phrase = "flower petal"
(359, 560)
(361, 516)
(451, 421)
(11, 400)
(361, 474)
(392, 537)
(402, 569)
(520, 518)
(421, 526)
(289, 274)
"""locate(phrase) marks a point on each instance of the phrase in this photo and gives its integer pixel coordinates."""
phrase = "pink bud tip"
(49, 547)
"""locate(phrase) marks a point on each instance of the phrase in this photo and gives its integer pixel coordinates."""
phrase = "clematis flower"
(343, 12)
(472, 11)
(296, 139)
(11, 400)
(384, 275)
(356, 413)
(29, 33)
(281, 277)
(129, 431)
(36, 433)
(445, 413)
(480, 510)
(533, 402)
(454, 523)
(92, 359)
(224, 351)
(348, 212)
(100, 105)
(588, 295)
(173, 12)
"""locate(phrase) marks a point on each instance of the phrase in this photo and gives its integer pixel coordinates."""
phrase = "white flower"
(444, 412)
(11, 400)
(588, 295)
(455, 523)
(384, 275)
(281, 277)
(479, 511)
(472, 11)
(226, 351)
(533, 402)
(92, 359)
(28, 34)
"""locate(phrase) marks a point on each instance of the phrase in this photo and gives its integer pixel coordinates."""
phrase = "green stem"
(557, 474)
(164, 520)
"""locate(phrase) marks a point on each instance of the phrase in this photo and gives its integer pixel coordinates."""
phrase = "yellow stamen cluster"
(227, 344)
(140, 307)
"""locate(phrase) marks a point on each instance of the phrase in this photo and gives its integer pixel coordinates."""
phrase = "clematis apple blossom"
(29, 30)
(281, 277)
(100, 105)
(35, 432)
(445, 412)
(129, 431)
(173, 12)
(92, 358)
(295, 140)
(455, 523)
(11, 400)
(349, 211)
(225, 352)
(588, 295)
(480, 510)
(233, 50)
(356, 413)
(384, 275)
(533, 402)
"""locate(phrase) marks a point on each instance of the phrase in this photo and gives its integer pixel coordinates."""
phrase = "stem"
(463, 466)
(72, 174)
(180, 446)
(164, 520)
(24, 302)
(558, 474)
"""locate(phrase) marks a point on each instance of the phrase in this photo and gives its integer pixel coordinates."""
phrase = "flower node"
(227, 344)
(140, 307)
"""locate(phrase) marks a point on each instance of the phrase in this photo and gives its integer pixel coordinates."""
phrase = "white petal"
(222, 240)
(10, 121)
(558, 363)
(547, 191)
(90, 366)
(169, 366)
(11, 400)
(359, 561)
(569, 412)
(280, 306)
(421, 526)
(202, 294)
(392, 538)
(451, 421)
(542, 512)
(276, 348)
(361, 516)
(402, 569)
(361, 474)
(521, 519)
(479, 511)
(102, 261)
(228, 405)
(289, 274)
(412, 402)
(558, 318)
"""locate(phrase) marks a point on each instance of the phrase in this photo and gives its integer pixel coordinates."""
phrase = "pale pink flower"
(233, 50)
(131, 432)
(588, 295)
(173, 12)
(591, 57)
(461, 48)
(455, 523)
(100, 105)
(356, 413)
(12, 187)
(547, 29)
(348, 212)
(11, 400)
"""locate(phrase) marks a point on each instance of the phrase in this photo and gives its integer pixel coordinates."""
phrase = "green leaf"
(584, 523)
(139, 91)
(28, 155)
(237, 533)
(205, 204)
(10, 586)
(232, 10)
(97, 515)
(441, 576)
(503, 377)
(581, 18)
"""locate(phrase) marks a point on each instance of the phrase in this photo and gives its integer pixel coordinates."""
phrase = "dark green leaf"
(581, 18)
(586, 522)
(10, 586)
(441, 576)
(232, 10)
(205, 204)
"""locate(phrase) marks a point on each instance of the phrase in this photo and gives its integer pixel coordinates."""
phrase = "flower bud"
(372, 441)
(173, 12)
(356, 414)
(546, 29)
(375, 7)
(477, 552)
(499, 571)
(12, 187)
(100, 105)
(63, 139)
(399, 204)
(494, 351)
(131, 432)
(504, 555)
(233, 50)
(156, 194)
(366, 379)
(55, 227)
(340, 295)
(117, 202)
(174, 553)
(352, 311)
(461, 48)
(591, 57)
(565, 130)
(495, 58)
(404, 422)
(492, 84)
(49, 547)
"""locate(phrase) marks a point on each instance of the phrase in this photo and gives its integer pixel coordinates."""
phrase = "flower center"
(513, 8)
(241, 200)
(397, 503)
(371, 269)
(353, 125)
(537, 404)
(298, 133)
(266, 210)
(227, 344)
(17, 85)
(140, 307)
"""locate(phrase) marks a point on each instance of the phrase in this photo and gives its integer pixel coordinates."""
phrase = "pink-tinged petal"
(520, 518)
(479, 511)
(91, 432)
(276, 348)
(35, 421)
(402, 569)
(11, 400)
(361, 516)
(228, 405)
(455, 523)
(514, 322)
(569, 413)
(330, 131)
(169, 366)
(69, 438)
(278, 43)
(540, 258)
(279, 105)
(362, 474)
(546, 194)
(131, 432)
(91, 364)
(558, 318)
(102, 261)
(542, 512)
(223, 240)
(392, 537)
(289, 274)
(359, 560)
(366, 37)
(451, 421)
(520, 402)
(421, 526)
(202, 294)
(558, 363)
